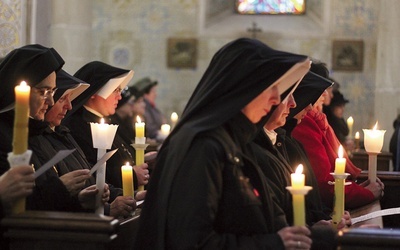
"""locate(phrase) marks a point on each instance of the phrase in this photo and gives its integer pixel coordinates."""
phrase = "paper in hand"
(57, 158)
(102, 160)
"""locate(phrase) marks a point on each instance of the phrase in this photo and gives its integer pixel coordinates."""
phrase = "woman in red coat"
(321, 146)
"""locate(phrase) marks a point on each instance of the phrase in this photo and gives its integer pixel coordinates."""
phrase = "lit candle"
(139, 127)
(298, 177)
(299, 214)
(357, 140)
(165, 129)
(373, 139)
(340, 163)
(174, 119)
(127, 180)
(140, 144)
(20, 131)
(21, 119)
(102, 136)
(350, 123)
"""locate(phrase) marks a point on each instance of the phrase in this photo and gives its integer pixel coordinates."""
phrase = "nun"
(99, 101)
(207, 191)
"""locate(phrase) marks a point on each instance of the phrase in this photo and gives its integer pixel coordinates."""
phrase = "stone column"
(71, 32)
(387, 101)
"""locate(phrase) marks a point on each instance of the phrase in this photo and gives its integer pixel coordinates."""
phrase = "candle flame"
(102, 121)
(174, 117)
(127, 164)
(138, 119)
(357, 136)
(299, 169)
(23, 84)
(376, 126)
(350, 120)
(340, 151)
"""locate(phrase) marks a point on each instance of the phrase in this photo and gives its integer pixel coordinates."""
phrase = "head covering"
(127, 93)
(103, 80)
(66, 84)
(338, 99)
(145, 84)
(309, 90)
(30, 63)
(238, 72)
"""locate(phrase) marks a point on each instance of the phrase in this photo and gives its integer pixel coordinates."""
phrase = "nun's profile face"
(56, 113)
(42, 97)
(106, 106)
(299, 116)
(261, 105)
(278, 117)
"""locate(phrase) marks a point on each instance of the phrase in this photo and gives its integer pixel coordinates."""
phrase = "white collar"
(271, 134)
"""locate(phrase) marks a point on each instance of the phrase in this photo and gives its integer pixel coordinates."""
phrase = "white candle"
(165, 129)
(350, 122)
(174, 119)
(373, 139)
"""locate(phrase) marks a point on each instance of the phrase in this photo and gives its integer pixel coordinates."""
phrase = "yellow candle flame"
(102, 121)
(23, 84)
(138, 119)
(127, 164)
(340, 151)
(357, 136)
(299, 169)
(350, 121)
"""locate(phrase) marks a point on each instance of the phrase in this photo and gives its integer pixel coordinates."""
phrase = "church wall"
(134, 34)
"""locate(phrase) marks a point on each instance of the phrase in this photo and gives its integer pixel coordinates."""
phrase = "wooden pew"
(368, 239)
(39, 230)
(391, 196)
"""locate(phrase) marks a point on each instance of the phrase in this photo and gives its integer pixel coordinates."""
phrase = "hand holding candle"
(20, 135)
(140, 144)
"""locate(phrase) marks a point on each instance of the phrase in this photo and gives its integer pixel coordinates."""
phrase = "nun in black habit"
(207, 190)
(106, 83)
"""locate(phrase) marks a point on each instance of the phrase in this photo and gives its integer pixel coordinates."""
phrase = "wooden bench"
(39, 230)
(369, 239)
(391, 197)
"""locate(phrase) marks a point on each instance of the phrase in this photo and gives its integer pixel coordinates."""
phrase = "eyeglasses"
(46, 93)
(117, 90)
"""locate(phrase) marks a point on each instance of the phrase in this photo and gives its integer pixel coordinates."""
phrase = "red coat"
(321, 146)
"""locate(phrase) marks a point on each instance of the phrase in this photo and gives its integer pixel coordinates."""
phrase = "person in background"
(321, 145)
(125, 113)
(100, 101)
(207, 191)
(334, 114)
(394, 147)
(153, 117)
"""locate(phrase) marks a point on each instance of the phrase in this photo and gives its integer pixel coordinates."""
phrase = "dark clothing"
(49, 193)
(61, 139)
(79, 125)
(394, 146)
(154, 119)
(294, 154)
(224, 209)
(206, 190)
(338, 125)
(125, 128)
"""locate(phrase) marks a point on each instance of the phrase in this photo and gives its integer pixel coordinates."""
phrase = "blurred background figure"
(153, 117)
(334, 113)
(394, 144)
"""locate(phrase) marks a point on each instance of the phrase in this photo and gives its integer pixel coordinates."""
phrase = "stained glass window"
(274, 7)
